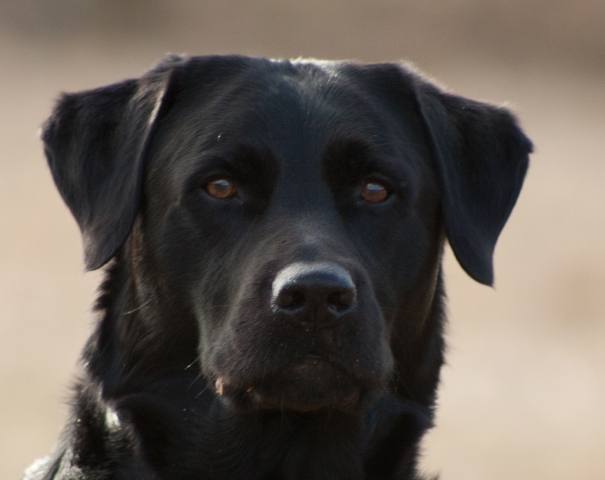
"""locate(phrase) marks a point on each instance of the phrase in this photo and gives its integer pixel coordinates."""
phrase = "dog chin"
(309, 386)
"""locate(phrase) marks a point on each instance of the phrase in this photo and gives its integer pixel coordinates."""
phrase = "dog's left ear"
(482, 157)
(95, 143)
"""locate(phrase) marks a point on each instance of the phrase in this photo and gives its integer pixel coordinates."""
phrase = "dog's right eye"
(221, 188)
(374, 191)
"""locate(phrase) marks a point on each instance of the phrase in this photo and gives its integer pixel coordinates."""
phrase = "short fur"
(194, 370)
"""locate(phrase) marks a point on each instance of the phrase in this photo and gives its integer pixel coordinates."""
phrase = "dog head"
(294, 211)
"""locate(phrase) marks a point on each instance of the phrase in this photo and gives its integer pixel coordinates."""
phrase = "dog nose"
(318, 293)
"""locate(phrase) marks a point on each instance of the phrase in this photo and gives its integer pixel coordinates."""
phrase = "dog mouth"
(309, 386)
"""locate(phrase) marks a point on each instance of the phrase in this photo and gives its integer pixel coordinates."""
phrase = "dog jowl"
(272, 233)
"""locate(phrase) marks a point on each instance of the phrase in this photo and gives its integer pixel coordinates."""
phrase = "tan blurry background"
(523, 393)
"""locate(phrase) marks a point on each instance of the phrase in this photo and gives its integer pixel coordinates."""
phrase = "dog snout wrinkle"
(322, 294)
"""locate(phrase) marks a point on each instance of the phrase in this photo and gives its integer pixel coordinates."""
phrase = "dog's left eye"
(373, 191)
(221, 188)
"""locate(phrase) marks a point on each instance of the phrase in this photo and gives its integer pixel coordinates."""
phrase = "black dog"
(273, 305)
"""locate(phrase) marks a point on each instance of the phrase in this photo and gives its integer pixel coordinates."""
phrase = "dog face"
(271, 205)
(294, 212)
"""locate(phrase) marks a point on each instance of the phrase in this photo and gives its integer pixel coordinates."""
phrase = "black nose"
(318, 293)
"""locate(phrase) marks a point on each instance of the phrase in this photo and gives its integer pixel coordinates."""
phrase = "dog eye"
(221, 188)
(373, 191)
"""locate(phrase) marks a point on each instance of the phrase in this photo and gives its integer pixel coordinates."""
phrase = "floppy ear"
(482, 156)
(95, 143)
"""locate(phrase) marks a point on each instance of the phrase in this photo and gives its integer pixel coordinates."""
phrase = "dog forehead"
(275, 101)
(295, 110)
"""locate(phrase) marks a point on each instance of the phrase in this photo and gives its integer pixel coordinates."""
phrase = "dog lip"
(219, 386)
(224, 388)
(348, 403)
(339, 389)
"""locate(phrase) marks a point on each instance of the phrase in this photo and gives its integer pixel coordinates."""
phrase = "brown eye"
(374, 192)
(221, 188)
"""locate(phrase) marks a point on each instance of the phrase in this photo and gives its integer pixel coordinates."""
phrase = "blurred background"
(523, 393)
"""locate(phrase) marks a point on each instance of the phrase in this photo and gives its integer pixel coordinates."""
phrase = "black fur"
(194, 371)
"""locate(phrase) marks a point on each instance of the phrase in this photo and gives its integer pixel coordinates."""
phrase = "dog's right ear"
(95, 143)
